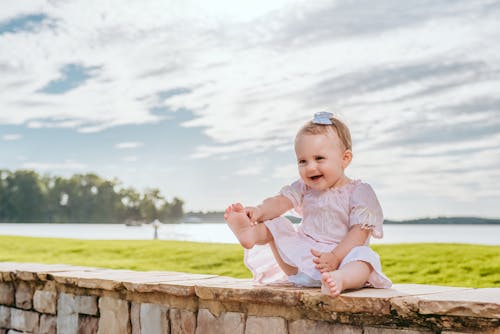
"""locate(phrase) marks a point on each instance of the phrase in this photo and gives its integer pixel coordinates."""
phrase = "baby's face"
(321, 160)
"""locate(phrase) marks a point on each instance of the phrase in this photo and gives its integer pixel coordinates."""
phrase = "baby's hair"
(337, 126)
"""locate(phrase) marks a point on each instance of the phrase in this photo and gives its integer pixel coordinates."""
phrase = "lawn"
(425, 263)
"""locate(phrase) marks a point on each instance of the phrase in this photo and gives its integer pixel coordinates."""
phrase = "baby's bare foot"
(236, 207)
(240, 224)
(332, 283)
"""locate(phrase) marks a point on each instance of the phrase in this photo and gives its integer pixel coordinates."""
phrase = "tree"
(176, 210)
(24, 195)
(131, 201)
(150, 204)
(82, 198)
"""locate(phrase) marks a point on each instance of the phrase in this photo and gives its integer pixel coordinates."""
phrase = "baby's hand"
(254, 213)
(325, 262)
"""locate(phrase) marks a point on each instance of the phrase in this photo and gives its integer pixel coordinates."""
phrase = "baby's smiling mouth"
(315, 177)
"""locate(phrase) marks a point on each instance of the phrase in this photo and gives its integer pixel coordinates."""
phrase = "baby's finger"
(250, 214)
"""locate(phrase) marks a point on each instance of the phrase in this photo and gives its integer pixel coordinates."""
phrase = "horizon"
(202, 99)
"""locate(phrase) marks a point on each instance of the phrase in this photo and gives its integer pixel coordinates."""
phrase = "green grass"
(425, 263)
(442, 264)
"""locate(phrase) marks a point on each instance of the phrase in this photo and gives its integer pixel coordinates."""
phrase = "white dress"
(327, 217)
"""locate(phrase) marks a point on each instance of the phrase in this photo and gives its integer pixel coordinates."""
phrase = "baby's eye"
(301, 162)
(319, 158)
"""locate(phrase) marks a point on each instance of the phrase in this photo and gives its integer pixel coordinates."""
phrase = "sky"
(202, 99)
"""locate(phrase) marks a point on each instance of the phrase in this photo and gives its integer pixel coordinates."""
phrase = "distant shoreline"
(392, 222)
(446, 220)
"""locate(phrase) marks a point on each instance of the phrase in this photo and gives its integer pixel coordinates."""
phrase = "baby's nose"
(311, 166)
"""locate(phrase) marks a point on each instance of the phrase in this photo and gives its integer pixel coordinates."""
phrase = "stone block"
(66, 304)
(48, 324)
(86, 305)
(6, 294)
(182, 321)
(24, 296)
(67, 318)
(25, 321)
(374, 330)
(87, 324)
(258, 325)
(226, 323)
(45, 301)
(4, 317)
(476, 331)
(5, 276)
(11, 331)
(49, 286)
(135, 317)
(154, 319)
(93, 278)
(244, 290)
(171, 283)
(115, 317)
(320, 327)
(484, 303)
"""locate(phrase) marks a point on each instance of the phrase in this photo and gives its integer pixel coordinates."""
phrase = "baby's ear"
(346, 158)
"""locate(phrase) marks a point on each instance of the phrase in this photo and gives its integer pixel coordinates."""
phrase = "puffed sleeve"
(295, 193)
(366, 210)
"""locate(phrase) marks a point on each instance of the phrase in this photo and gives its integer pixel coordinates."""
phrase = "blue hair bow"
(322, 117)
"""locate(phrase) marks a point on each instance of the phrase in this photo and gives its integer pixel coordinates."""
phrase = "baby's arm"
(270, 208)
(330, 261)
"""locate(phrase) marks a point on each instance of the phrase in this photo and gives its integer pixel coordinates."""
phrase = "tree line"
(26, 196)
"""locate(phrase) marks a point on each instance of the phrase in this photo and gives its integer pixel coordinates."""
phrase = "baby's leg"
(248, 234)
(288, 269)
(352, 276)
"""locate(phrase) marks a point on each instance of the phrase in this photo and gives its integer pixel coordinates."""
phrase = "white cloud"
(129, 145)
(244, 84)
(11, 136)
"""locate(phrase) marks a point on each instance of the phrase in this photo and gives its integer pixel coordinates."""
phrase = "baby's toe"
(237, 207)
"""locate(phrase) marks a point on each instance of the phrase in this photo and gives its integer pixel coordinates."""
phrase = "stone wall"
(36, 298)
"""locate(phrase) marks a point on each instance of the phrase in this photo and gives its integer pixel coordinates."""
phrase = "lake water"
(212, 232)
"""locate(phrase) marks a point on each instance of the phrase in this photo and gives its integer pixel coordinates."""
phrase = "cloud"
(11, 136)
(129, 145)
(233, 70)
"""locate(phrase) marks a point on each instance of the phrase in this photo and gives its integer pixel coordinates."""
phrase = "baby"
(329, 248)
